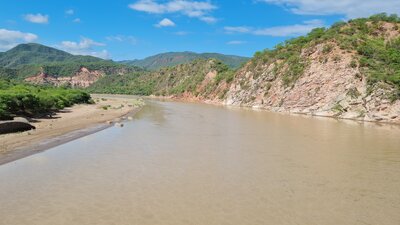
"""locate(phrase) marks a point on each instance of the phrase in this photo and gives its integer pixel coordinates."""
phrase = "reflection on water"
(182, 163)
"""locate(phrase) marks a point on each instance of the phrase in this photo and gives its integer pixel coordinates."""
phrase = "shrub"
(28, 100)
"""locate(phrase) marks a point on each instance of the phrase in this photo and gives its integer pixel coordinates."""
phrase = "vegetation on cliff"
(18, 99)
(170, 59)
(375, 42)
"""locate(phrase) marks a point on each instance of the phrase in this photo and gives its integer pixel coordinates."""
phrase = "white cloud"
(37, 18)
(291, 30)
(208, 19)
(237, 29)
(70, 12)
(123, 38)
(279, 31)
(11, 38)
(194, 9)
(84, 47)
(181, 33)
(165, 23)
(236, 42)
(76, 20)
(104, 54)
(349, 8)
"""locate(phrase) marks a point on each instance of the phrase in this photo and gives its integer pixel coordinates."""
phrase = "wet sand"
(68, 124)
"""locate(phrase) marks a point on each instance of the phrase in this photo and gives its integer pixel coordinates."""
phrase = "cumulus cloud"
(123, 38)
(194, 9)
(165, 23)
(85, 46)
(11, 38)
(37, 18)
(76, 20)
(236, 42)
(278, 31)
(348, 8)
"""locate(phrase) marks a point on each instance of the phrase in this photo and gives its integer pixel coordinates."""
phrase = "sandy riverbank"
(66, 125)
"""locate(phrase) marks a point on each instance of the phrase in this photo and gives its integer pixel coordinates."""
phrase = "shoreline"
(285, 112)
(73, 123)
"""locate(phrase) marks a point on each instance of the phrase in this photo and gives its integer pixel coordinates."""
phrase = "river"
(185, 163)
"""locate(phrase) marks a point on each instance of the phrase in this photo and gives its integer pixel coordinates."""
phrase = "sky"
(134, 29)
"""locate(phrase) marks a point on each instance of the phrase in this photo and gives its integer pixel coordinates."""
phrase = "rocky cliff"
(334, 80)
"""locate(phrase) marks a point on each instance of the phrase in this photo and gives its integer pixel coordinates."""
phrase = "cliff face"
(331, 85)
(82, 78)
(333, 82)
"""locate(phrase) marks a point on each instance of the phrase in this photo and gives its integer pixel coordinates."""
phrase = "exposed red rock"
(83, 78)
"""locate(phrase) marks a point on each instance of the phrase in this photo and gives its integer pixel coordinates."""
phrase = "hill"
(32, 53)
(351, 71)
(41, 64)
(175, 58)
(201, 77)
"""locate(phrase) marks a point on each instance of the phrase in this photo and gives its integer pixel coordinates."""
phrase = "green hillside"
(26, 54)
(27, 60)
(167, 81)
(175, 58)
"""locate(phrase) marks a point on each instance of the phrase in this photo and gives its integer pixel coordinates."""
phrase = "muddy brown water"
(183, 163)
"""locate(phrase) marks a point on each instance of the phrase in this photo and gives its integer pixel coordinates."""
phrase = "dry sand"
(66, 125)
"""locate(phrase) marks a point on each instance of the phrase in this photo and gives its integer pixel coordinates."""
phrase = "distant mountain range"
(37, 54)
(41, 64)
(175, 58)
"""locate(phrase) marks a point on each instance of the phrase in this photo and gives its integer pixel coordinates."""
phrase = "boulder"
(12, 126)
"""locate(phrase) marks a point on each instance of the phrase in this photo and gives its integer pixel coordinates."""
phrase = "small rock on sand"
(119, 124)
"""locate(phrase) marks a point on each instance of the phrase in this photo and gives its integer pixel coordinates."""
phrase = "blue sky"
(130, 29)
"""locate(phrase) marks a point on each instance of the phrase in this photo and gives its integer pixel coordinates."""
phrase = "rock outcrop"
(332, 84)
(82, 78)
(329, 87)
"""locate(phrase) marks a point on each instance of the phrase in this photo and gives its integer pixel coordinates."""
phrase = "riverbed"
(187, 163)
